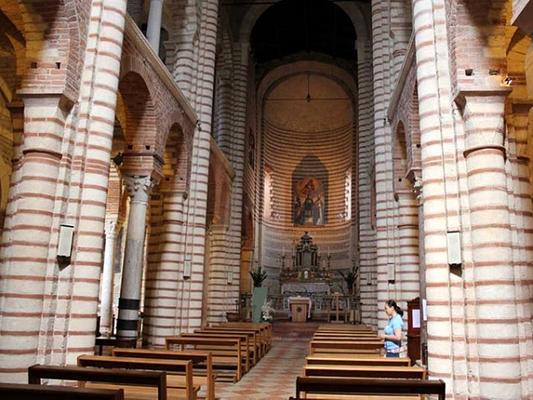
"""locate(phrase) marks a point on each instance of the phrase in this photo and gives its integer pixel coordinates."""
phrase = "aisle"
(274, 377)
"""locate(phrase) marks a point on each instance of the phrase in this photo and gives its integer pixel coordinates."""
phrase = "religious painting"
(308, 202)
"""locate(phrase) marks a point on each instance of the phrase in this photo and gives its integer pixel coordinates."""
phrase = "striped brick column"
(201, 95)
(164, 273)
(138, 188)
(27, 258)
(445, 296)
(106, 295)
(385, 220)
(495, 342)
(522, 228)
(223, 296)
(88, 181)
(407, 273)
(367, 235)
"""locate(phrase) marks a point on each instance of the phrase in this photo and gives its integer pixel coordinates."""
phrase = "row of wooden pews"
(175, 373)
(345, 362)
(235, 347)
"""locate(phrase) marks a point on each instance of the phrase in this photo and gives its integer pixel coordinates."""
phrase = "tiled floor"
(274, 377)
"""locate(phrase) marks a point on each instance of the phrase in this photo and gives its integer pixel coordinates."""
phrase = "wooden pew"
(264, 327)
(347, 338)
(247, 348)
(365, 371)
(345, 346)
(178, 386)
(254, 335)
(357, 359)
(226, 352)
(346, 388)
(202, 363)
(40, 392)
(154, 379)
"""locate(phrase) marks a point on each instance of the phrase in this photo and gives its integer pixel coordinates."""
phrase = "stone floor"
(274, 377)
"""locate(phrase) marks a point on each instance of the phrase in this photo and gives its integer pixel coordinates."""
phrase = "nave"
(240, 361)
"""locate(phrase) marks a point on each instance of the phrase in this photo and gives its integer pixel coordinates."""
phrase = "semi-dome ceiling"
(294, 26)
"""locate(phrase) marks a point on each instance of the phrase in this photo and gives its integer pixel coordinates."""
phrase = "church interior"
(266, 199)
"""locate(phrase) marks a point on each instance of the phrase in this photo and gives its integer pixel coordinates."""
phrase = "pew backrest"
(233, 345)
(181, 366)
(51, 392)
(365, 371)
(156, 379)
(200, 359)
(317, 385)
(332, 359)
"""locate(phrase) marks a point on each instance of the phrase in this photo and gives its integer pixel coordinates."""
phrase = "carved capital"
(418, 189)
(110, 228)
(139, 188)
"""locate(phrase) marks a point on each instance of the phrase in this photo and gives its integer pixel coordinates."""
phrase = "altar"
(300, 308)
(305, 282)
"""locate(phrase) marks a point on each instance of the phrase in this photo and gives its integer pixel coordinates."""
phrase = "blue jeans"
(389, 354)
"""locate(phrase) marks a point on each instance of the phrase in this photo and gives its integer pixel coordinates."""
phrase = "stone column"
(139, 188)
(495, 337)
(153, 30)
(106, 295)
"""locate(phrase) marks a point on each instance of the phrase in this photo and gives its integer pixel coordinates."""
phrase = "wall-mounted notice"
(416, 318)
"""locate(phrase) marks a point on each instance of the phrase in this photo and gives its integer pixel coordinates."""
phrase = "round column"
(106, 296)
(153, 30)
(495, 336)
(130, 292)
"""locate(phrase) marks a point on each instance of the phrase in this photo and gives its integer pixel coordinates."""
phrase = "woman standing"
(393, 330)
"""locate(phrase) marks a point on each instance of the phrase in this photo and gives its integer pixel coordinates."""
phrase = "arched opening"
(309, 26)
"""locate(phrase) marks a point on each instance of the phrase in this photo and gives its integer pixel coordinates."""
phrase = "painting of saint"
(308, 205)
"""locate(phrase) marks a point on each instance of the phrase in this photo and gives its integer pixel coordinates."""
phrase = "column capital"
(110, 227)
(139, 188)
(483, 113)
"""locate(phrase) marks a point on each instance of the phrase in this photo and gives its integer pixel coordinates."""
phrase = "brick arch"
(353, 10)
(478, 34)
(141, 127)
(53, 47)
(178, 154)
(517, 51)
(13, 45)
